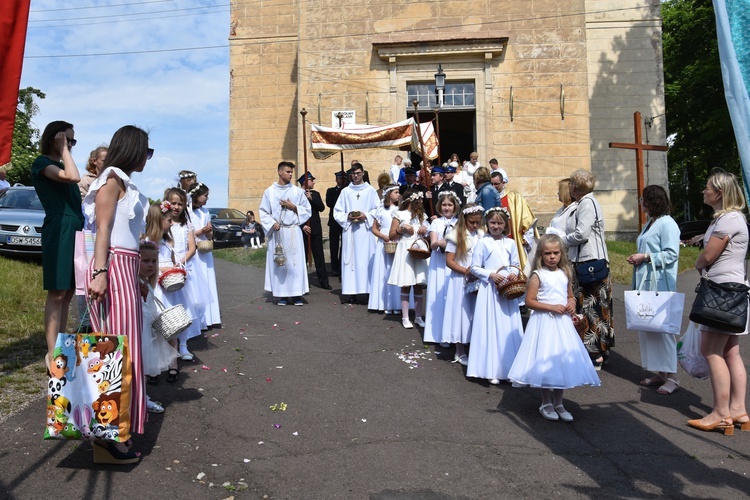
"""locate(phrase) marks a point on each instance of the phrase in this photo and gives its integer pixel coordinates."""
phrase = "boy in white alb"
(283, 208)
(352, 212)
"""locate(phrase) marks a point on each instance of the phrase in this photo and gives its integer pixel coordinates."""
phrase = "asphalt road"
(372, 413)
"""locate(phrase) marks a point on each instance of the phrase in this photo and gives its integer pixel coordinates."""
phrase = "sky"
(162, 65)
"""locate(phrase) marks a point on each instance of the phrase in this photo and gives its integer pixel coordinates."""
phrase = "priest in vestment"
(352, 212)
(521, 216)
(283, 208)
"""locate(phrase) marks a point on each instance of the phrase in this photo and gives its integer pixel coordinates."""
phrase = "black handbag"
(721, 305)
(592, 271)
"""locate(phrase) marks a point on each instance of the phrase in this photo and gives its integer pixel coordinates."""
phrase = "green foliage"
(696, 108)
(244, 256)
(25, 147)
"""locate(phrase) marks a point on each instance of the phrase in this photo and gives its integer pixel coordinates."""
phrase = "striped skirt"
(123, 310)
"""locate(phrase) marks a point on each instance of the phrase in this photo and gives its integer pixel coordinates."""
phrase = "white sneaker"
(407, 324)
(387, 312)
(154, 406)
(419, 322)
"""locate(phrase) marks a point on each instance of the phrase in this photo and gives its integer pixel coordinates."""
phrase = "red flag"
(14, 17)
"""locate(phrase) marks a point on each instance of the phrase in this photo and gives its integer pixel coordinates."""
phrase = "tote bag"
(88, 393)
(652, 310)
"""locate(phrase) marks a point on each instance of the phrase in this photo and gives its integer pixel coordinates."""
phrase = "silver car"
(21, 220)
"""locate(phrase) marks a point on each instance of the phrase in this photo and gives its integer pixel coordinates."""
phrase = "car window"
(20, 198)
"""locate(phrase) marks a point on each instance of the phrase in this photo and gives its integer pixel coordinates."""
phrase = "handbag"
(689, 353)
(652, 310)
(88, 392)
(720, 305)
(591, 271)
(83, 253)
(170, 321)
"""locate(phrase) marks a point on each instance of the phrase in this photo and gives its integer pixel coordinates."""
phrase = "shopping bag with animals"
(88, 395)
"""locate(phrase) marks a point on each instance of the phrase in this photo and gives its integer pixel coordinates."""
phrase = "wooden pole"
(437, 134)
(425, 171)
(308, 256)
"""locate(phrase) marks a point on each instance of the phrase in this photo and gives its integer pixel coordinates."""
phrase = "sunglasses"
(72, 142)
(149, 153)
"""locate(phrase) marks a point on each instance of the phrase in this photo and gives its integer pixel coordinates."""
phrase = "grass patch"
(22, 343)
(244, 256)
(622, 272)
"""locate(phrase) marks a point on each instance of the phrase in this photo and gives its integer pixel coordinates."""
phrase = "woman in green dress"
(55, 178)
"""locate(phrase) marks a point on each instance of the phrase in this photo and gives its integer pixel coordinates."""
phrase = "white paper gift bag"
(654, 311)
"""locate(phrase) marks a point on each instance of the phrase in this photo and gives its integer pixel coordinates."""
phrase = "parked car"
(21, 220)
(227, 225)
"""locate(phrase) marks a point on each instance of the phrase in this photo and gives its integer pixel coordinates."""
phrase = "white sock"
(405, 305)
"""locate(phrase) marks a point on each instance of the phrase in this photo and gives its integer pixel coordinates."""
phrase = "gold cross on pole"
(639, 147)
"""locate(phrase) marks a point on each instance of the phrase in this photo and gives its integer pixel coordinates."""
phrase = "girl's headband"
(195, 189)
(472, 210)
(187, 175)
(492, 210)
(443, 194)
(147, 243)
(388, 190)
(416, 196)
(165, 206)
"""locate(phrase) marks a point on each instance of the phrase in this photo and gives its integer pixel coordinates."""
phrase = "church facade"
(542, 85)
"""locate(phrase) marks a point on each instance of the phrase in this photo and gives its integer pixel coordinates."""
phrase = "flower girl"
(383, 297)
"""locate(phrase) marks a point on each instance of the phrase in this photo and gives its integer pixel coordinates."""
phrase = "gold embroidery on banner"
(338, 138)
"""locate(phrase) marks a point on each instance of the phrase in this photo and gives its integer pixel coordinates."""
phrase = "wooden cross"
(357, 195)
(639, 147)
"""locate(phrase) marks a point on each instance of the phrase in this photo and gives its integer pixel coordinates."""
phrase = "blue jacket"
(487, 196)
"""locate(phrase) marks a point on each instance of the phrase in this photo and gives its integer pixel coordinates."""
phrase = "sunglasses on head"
(149, 153)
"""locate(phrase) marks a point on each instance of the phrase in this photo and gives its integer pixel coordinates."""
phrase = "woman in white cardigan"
(658, 252)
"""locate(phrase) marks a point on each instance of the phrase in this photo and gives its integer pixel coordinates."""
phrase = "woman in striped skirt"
(115, 207)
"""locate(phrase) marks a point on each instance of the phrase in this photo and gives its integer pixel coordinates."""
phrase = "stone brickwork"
(572, 71)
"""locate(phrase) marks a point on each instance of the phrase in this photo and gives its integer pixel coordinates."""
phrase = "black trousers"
(334, 239)
(318, 256)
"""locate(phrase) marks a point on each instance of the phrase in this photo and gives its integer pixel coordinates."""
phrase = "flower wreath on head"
(195, 189)
(416, 196)
(145, 242)
(165, 206)
(187, 175)
(389, 190)
(453, 195)
(497, 209)
(472, 210)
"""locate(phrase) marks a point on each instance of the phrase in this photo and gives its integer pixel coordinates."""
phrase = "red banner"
(14, 17)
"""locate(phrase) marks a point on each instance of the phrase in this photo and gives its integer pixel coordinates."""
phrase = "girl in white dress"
(552, 356)
(409, 224)
(383, 297)
(156, 353)
(496, 330)
(461, 285)
(203, 263)
(448, 205)
(169, 257)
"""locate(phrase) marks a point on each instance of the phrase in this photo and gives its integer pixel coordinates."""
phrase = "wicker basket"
(170, 322)
(204, 246)
(173, 279)
(390, 246)
(515, 287)
(420, 249)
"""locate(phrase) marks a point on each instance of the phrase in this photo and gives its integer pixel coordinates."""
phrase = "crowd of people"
(455, 250)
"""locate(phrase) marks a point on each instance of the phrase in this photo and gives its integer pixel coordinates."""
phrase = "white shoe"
(387, 312)
(564, 414)
(444, 345)
(154, 406)
(419, 322)
(185, 355)
(407, 324)
(549, 412)
(495, 381)
(464, 360)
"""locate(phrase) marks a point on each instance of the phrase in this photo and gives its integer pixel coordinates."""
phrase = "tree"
(25, 146)
(697, 111)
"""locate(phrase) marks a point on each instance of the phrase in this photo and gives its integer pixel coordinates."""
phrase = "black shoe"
(326, 286)
(152, 380)
(352, 299)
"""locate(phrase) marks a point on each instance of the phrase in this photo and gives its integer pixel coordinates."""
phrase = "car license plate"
(24, 240)
(238, 233)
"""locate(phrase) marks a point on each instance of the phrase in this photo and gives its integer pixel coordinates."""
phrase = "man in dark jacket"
(334, 229)
(313, 231)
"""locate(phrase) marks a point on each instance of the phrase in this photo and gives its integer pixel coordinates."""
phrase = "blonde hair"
(732, 199)
(150, 246)
(415, 207)
(552, 239)
(583, 181)
(502, 213)
(563, 189)
(90, 167)
(481, 175)
(153, 224)
(461, 230)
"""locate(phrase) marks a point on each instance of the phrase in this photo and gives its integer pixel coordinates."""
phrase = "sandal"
(669, 386)
(744, 426)
(652, 381)
(172, 375)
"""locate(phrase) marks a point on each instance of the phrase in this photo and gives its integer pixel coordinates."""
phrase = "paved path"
(361, 422)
